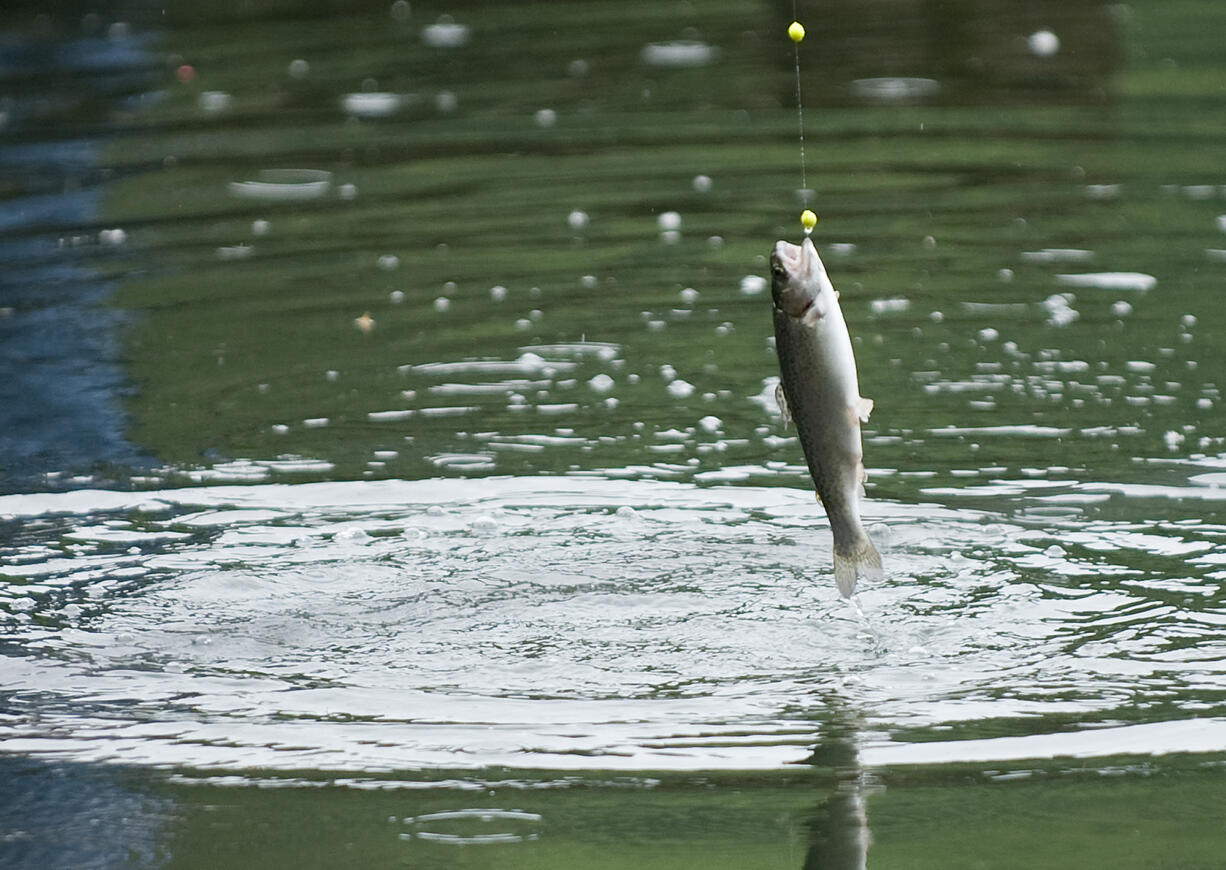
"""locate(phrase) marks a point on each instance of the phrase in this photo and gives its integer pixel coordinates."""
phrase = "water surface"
(391, 471)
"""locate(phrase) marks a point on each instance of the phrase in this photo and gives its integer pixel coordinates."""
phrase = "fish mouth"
(786, 257)
(795, 260)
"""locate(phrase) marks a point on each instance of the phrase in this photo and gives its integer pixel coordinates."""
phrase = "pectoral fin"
(865, 407)
(812, 316)
(782, 401)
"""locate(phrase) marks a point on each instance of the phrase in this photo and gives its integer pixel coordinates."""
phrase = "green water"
(512, 523)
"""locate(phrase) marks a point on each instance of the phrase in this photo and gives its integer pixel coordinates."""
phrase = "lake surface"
(391, 473)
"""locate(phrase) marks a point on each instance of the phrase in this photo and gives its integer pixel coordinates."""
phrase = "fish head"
(798, 277)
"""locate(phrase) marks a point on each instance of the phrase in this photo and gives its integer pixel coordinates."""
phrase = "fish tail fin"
(861, 563)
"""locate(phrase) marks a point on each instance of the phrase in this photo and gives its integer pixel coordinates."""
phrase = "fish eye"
(779, 271)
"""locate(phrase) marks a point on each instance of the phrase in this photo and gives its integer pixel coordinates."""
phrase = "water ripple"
(561, 622)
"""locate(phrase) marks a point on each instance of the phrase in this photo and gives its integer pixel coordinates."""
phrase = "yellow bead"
(796, 31)
(808, 220)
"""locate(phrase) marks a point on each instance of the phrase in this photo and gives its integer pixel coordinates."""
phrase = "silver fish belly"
(818, 379)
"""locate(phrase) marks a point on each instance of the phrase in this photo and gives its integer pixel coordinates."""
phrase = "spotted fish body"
(822, 396)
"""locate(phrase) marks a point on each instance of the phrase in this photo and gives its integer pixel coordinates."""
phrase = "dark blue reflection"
(70, 815)
(61, 384)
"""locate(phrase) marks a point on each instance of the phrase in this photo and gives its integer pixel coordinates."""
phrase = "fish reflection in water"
(839, 835)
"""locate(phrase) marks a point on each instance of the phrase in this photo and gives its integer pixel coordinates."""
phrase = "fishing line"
(796, 32)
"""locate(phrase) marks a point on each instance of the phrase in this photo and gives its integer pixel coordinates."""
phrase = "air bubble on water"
(446, 102)
(578, 68)
(577, 220)
(588, 282)
(892, 305)
(752, 285)
(670, 237)
(1043, 43)
(679, 54)
(347, 191)
(446, 33)
(930, 242)
(669, 220)
(352, 536)
(279, 428)
(680, 389)
(498, 293)
(1121, 308)
(212, 102)
(299, 68)
(715, 241)
(483, 525)
(401, 11)
(601, 383)
(388, 262)
(710, 423)
(988, 334)
(442, 303)
(235, 252)
(370, 104)
(545, 118)
(689, 295)
(332, 374)
(1103, 191)
(523, 324)
(396, 297)
(701, 184)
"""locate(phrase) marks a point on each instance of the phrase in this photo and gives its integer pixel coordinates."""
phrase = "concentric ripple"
(559, 622)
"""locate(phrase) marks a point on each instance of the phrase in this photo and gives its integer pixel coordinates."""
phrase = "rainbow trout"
(820, 394)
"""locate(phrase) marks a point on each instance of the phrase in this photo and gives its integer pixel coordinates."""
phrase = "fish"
(820, 392)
